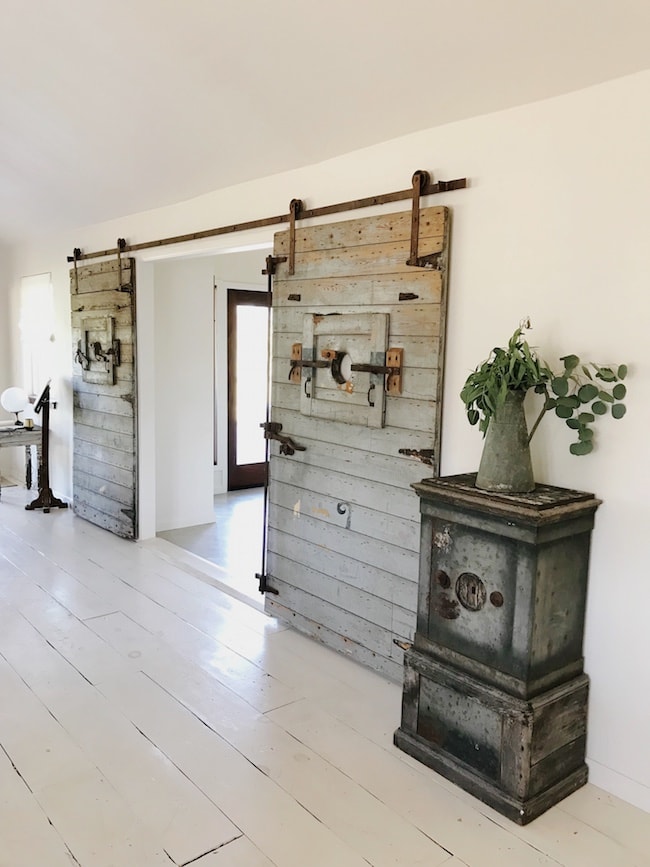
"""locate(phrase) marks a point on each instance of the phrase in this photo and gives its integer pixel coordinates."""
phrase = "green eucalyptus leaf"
(585, 434)
(598, 407)
(560, 386)
(586, 418)
(570, 400)
(586, 371)
(622, 371)
(573, 423)
(619, 391)
(606, 396)
(563, 411)
(473, 416)
(587, 392)
(619, 410)
(606, 374)
(581, 448)
(570, 362)
(550, 403)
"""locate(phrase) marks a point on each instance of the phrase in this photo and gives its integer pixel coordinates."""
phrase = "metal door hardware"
(333, 360)
(424, 455)
(287, 445)
(421, 181)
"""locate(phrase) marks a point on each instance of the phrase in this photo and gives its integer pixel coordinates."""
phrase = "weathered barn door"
(103, 382)
(343, 537)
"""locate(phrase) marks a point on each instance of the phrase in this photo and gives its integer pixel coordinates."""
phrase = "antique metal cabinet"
(495, 697)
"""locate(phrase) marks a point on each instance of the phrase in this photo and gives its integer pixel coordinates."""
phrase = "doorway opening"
(248, 326)
(215, 531)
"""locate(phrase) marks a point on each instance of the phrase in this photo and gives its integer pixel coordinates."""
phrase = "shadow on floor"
(233, 542)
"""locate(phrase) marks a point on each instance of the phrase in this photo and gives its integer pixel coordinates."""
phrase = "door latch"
(287, 445)
(333, 359)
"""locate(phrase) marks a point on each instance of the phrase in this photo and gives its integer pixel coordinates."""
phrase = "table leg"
(28, 467)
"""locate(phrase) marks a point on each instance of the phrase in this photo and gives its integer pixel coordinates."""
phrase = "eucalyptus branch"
(578, 394)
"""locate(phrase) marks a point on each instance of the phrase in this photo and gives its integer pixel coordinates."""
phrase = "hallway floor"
(232, 544)
(148, 719)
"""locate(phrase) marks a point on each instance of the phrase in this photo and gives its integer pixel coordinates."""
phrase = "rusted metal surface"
(287, 445)
(427, 456)
(294, 211)
(502, 702)
(428, 189)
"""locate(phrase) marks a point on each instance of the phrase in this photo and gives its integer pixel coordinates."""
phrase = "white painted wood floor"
(146, 718)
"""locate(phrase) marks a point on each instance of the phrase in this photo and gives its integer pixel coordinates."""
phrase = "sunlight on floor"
(233, 543)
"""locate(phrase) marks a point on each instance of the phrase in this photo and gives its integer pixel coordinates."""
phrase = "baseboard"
(617, 784)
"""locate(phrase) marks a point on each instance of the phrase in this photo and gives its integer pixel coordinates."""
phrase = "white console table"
(22, 436)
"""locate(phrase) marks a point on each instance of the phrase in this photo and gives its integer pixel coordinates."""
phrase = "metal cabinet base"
(494, 696)
(518, 756)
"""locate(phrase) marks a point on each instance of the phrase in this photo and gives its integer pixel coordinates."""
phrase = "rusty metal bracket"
(332, 359)
(392, 369)
(122, 286)
(297, 362)
(425, 455)
(295, 206)
(421, 181)
(287, 445)
(76, 253)
(264, 586)
(271, 262)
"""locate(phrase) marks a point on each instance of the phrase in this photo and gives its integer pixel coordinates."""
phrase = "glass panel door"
(248, 317)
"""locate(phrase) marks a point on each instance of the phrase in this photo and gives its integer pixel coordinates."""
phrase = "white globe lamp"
(14, 400)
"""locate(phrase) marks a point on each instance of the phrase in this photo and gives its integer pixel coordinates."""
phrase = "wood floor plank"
(238, 853)
(419, 797)
(326, 793)
(96, 823)
(275, 822)
(27, 836)
(138, 703)
(166, 803)
(624, 823)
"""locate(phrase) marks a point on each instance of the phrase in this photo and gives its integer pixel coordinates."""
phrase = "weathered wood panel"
(297, 551)
(418, 320)
(335, 639)
(104, 406)
(368, 522)
(363, 231)
(343, 542)
(419, 288)
(349, 543)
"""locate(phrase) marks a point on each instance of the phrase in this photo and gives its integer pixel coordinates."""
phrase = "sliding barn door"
(343, 537)
(104, 391)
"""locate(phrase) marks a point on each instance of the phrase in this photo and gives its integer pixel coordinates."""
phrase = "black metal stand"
(46, 499)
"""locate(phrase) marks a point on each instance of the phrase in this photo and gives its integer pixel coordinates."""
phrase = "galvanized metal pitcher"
(505, 464)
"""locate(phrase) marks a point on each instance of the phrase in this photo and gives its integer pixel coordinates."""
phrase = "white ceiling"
(110, 108)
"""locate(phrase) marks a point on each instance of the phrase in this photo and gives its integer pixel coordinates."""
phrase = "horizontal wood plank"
(372, 291)
(370, 579)
(416, 320)
(124, 460)
(364, 230)
(370, 259)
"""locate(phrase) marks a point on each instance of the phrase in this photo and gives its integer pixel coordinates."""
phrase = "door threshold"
(203, 569)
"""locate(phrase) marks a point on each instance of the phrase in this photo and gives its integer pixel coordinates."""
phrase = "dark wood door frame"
(241, 475)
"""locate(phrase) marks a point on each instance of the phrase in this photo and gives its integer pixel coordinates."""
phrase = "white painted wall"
(183, 316)
(554, 224)
(5, 329)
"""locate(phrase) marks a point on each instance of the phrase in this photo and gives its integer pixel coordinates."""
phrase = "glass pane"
(252, 323)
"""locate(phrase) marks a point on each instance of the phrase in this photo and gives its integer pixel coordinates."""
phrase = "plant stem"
(536, 425)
